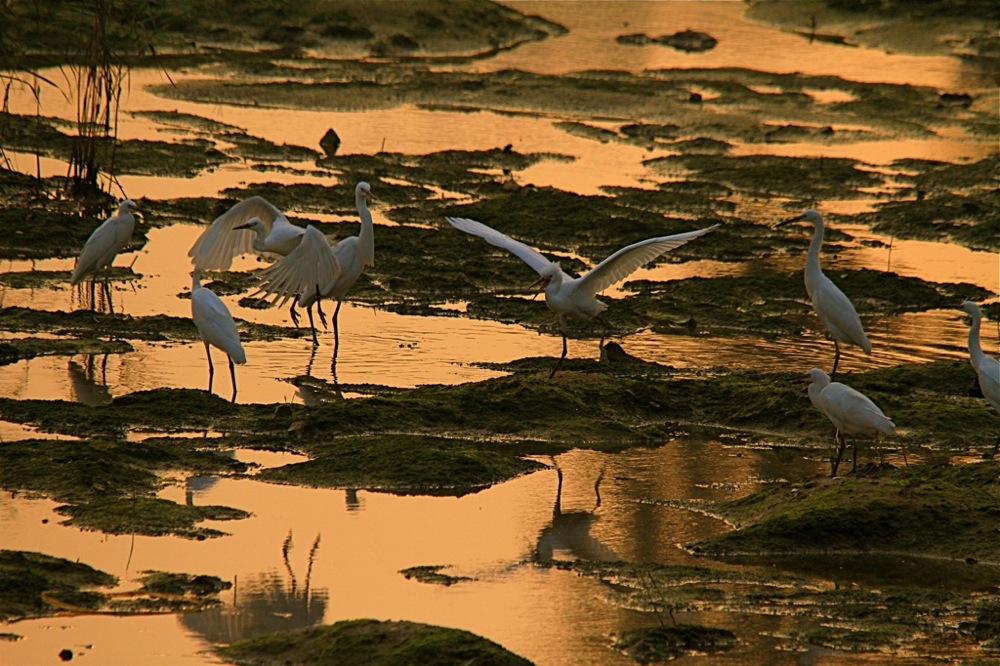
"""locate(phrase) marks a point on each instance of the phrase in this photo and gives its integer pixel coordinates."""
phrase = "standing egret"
(216, 326)
(987, 368)
(834, 309)
(851, 412)
(575, 298)
(103, 246)
(351, 256)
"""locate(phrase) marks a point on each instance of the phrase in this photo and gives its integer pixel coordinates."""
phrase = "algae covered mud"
(440, 497)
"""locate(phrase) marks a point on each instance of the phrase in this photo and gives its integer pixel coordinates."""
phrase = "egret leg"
(605, 333)
(995, 449)
(836, 360)
(838, 438)
(854, 464)
(232, 373)
(312, 326)
(107, 294)
(93, 296)
(294, 313)
(319, 308)
(211, 368)
(561, 358)
(336, 337)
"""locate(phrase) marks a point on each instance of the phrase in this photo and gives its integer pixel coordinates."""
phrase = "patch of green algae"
(942, 511)
(371, 642)
(660, 644)
(932, 610)
(37, 585)
(403, 464)
(109, 486)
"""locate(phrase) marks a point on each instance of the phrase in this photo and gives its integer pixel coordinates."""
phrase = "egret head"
(363, 191)
(548, 274)
(127, 206)
(811, 216)
(971, 308)
(817, 376)
(253, 223)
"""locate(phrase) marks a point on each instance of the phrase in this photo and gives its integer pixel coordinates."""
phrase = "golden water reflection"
(307, 556)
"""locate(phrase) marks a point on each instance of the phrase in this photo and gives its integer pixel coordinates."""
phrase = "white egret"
(311, 266)
(252, 225)
(350, 255)
(834, 308)
(575, 298)
(851, 412)
(103, 246)
(230, 235)
(216, 326)
(987, 368)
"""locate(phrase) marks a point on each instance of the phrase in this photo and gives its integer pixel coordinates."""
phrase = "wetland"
(435, 497)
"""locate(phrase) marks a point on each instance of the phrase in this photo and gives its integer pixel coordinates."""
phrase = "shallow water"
(365, 538)
(551, 617)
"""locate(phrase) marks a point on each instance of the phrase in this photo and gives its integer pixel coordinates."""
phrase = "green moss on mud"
(403, 464)
(37, 585)
(108, 486)
(371, 642)
(89, 324)
(150, 516)
(660, 644)
(862, 605)
(432, 574)
(942, 511)
(26, 576)
(18, 349)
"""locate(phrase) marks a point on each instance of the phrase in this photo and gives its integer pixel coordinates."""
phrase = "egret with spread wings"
(252, 225)
(576, 298)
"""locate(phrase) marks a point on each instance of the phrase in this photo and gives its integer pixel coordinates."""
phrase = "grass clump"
(372, 642)
(659, 644)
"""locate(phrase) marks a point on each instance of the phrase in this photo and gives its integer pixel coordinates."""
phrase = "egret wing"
(629, 259)
(837, 312)
(216, 323)
(100, 242)
(309, 265)
(853, 411)
(528, 255)
(220, 243)
(989, 380)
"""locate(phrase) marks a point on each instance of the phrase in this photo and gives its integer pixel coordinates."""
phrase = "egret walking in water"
(576, 298)
(987, 368)
(103, 246)
(351, 256)
(834, 309)
(851, 412)
(217, 328)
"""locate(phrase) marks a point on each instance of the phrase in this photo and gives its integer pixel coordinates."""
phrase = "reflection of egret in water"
(264, 603)
(87, 388)
(314, 391)
(570, 530)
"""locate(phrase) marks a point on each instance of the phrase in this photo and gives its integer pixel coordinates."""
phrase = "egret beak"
(541, 283)
(797, 218)
(245, 225)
